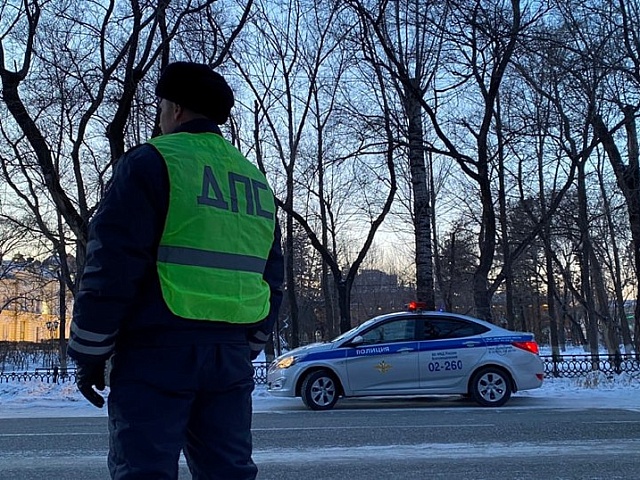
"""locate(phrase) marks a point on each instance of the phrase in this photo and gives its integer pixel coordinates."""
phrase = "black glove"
(257, 342)
(89, 375)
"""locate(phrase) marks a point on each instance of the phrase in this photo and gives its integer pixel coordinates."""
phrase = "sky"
(36, 399)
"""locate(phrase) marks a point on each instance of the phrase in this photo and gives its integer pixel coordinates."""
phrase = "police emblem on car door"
(385, 359)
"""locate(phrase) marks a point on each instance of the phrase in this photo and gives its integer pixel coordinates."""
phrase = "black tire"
(320, 390)
(490, 387)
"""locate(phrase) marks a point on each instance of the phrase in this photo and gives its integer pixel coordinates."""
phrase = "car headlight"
(286, 362)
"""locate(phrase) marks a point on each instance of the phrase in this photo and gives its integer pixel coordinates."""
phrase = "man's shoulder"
(142, 152)
(143, 159)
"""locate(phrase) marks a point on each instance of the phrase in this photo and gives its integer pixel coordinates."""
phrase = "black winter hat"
(197, 87)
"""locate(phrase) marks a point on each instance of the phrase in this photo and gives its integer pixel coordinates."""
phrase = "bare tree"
(297, 72)
(75, 73)
(405, 42)
(76, 92)
(623, 58)
(610, 251)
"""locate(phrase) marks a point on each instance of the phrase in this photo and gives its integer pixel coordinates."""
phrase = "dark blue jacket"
(119, 301)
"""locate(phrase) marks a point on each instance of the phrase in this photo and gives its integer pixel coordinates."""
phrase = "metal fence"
(56, 375)
(559, 367)
(580, 365)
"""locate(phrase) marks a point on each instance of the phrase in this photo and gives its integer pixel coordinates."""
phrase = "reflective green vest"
(218, 233)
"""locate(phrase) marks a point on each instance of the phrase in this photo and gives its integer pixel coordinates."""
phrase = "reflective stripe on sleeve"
(90, 350)
(91, 336)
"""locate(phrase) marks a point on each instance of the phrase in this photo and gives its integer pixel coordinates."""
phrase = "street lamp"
(52, 326)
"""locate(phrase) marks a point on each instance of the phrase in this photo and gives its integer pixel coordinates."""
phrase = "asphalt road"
(364, 439)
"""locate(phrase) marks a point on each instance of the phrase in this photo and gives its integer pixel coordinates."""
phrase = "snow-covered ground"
(37, 399)
(40, 399)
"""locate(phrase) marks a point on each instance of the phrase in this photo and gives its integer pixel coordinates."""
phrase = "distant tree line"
(483, 152)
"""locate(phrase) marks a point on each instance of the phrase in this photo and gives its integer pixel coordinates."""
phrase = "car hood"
(311, 348)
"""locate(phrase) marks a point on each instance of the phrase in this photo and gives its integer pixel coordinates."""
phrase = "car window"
(346, 334)
(451, 328)
(394, 331)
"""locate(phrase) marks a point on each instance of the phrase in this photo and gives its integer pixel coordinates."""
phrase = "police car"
(411, 353)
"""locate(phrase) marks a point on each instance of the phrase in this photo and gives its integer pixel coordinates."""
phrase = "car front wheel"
(319, 390)
(490, 387)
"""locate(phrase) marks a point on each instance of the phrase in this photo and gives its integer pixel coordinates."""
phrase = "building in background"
(376, 292)
(29, 301)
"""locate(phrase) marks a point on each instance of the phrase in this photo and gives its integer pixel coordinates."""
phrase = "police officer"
(181, 288)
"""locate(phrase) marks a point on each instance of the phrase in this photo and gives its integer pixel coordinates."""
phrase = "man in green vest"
(180, 290)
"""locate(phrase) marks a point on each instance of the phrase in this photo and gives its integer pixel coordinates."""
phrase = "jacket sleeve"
(274, 276)
(123, 238)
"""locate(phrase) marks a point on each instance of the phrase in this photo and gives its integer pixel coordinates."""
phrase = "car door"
(450, 349)
(387, 360)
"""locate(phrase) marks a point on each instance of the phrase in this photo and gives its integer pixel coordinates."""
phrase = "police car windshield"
(350, 332)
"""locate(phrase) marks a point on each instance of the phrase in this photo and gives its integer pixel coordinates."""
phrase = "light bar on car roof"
(416, 306)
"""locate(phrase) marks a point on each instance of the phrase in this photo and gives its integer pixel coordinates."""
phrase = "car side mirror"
(357, 340)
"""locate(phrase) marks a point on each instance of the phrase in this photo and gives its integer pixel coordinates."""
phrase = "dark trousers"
(193, 398)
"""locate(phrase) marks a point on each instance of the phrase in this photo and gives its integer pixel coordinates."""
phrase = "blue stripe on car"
(328, 355)
(423, 346)
(508, 340)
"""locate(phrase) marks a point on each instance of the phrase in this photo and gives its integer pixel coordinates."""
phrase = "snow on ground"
(38, 399)
(597, 390)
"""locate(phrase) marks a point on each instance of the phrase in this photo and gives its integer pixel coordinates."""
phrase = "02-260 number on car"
(445, 366)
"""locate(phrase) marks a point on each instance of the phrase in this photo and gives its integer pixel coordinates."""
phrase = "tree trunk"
(585, 266)
(504, 224)
(62, 341)
(487, 245)
(628, 180)
(611, 336)
(290, 275)
(437, 261)
(330, 328)
(421, 207)
(344, 301)
(551, 302)
(551, 279)
(620, 323)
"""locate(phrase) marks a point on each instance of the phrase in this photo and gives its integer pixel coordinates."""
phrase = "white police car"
(411, 353)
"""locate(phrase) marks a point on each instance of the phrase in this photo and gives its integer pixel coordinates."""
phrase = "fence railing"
(560, 366)
(57, 375)
(580, 365)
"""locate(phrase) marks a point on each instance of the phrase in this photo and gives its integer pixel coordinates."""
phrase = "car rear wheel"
(319, 390)
(490, 387)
